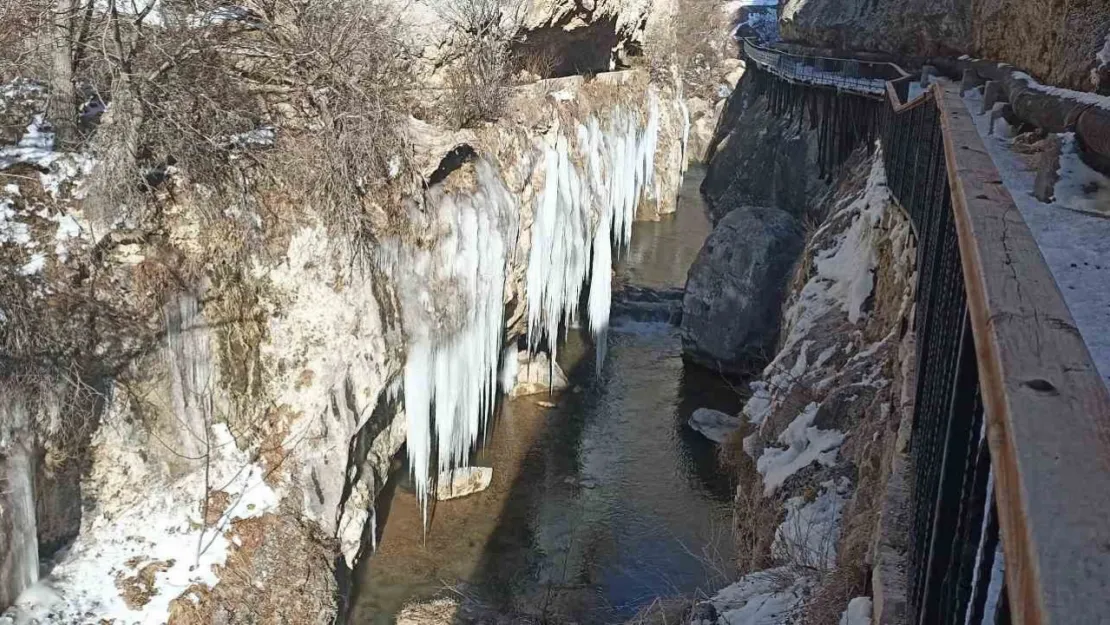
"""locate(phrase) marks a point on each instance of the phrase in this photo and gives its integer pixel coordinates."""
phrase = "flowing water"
(602, 499)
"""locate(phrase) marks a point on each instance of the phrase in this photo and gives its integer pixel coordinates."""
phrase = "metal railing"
(1010, 447)
(864, 77)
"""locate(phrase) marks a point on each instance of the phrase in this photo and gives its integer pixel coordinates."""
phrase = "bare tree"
(63, 93)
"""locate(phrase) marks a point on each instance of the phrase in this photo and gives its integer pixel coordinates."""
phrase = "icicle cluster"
(452, 289)
(617, 167)
(452, 299)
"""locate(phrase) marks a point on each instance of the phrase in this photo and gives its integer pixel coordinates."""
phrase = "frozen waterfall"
(606, 173)
(452, 292)
(452, 285)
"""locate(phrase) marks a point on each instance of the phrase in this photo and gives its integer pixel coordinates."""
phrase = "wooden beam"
(1047, 409)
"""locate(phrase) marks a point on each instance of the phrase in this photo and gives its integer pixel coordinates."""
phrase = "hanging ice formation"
(452, 298)
(608, 169)
(452, 289)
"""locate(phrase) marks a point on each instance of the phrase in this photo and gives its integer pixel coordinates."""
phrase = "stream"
(602, 498)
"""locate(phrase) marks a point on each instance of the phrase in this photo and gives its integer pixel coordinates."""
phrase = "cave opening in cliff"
(553, 52)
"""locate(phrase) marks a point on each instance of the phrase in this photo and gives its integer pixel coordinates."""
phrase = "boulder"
(734, 292)
(714, 424)
(462, 482)
(759, 159)
(532, 375)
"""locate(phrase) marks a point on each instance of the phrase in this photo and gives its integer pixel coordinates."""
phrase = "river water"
(602, 499)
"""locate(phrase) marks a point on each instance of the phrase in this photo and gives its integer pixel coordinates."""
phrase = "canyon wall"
(258, 369)
(1060, 43)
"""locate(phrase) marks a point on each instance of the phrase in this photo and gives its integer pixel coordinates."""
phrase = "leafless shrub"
(537, 61)
(694, 45)
(478, 80)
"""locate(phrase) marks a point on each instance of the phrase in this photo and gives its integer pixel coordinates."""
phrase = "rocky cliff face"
(814, 447)
(256, 395)
(910, 27)
(1060, 43)
(758, 159)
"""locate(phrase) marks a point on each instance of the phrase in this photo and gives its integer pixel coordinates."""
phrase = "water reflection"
(598, 505)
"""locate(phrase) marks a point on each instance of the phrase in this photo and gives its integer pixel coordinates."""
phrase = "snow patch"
(167, 528)
(811, 531)
(772, 597)
(858, 612)
(805, 444)
(33, 266)
(36, 148)
(1075, 245)
(1080, 188)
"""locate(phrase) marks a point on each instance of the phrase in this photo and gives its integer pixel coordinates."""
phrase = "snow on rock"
(845, 271)
(1082, 97)
(164, 534)
(33, 266)
(36, 148)
(1075, 245)
(1080, 188)
(462, 481)
(858, 612)
(805, 444)
(772, 597)
(12, 231)
(810, 533)
(714, 424)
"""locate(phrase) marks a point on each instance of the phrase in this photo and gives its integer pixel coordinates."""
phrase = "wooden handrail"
(1047, 408)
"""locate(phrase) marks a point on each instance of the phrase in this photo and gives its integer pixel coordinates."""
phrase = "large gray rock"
(735, 289)
(760, 159)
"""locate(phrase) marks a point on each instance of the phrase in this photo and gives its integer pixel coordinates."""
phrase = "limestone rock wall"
(256, 401)
(1059, 42)
(910, 27)
(759, 159)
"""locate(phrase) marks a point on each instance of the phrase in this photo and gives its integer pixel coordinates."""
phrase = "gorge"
(490, 311)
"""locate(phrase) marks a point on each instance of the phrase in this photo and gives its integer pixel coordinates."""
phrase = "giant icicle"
(452, 298)
(619, 163)
(452, 290)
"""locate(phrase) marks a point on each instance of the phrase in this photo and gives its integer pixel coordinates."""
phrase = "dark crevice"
(451, 163)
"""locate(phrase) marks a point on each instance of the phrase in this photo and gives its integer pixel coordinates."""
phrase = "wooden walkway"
(1031, 386)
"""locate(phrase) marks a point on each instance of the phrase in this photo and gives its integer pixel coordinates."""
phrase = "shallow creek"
(602, 499)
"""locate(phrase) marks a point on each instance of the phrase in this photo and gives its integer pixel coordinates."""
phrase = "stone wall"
(1056, 41)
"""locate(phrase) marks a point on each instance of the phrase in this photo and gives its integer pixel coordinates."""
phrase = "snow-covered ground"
(164, 535)
(1075, 244)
